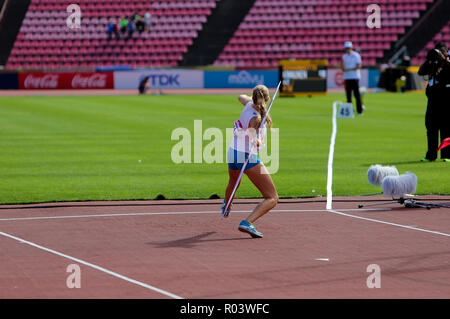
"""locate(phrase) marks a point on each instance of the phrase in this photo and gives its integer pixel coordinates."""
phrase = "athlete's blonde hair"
(260, 97)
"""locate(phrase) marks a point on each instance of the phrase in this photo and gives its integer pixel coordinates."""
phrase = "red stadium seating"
(45, 41)
(311, 29)
(272, 30)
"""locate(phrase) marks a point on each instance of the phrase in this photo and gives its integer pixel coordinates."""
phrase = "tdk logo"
(164, 80)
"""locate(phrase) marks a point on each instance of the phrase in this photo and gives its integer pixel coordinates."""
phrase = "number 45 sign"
(345, 110)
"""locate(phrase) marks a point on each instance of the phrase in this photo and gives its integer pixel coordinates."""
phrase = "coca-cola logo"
(89, 82)
(47, 81)
(65, 80)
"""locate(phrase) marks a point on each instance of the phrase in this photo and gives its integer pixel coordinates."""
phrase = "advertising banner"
(159, 79)
(67, 81)
(374, 77)
(240, 79)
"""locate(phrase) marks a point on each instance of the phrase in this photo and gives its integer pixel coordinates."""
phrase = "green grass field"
(88, 148)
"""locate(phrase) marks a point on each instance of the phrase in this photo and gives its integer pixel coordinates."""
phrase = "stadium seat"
(304, 29)
(318, 28)
(44, 26)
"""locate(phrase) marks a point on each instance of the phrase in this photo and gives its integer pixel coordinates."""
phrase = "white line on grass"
(177, 213)
(163, 292)
(330, 159)
(388, 223)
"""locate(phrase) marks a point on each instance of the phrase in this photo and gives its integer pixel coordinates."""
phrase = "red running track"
(169, 249)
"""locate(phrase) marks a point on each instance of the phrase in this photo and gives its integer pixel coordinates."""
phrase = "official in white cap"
(351, 65)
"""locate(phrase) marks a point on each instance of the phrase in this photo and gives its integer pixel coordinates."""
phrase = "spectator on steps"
(112, 29)
(131, 27)
(123, 24)
(140, 23)
(148, 21)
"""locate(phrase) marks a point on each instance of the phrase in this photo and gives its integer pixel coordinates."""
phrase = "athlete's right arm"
(244, 99)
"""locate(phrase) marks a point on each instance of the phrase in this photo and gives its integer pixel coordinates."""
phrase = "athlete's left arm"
(244, 99)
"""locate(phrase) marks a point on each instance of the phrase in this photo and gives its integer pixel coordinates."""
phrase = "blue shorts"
(236, 159)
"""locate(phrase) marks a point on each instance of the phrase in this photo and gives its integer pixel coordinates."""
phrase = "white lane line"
(330, 159)
(101, 215)
(178, 213)
(163, 292)
(388, 223)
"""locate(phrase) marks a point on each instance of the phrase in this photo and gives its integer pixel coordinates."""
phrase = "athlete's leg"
(234, 174)
(260, 177)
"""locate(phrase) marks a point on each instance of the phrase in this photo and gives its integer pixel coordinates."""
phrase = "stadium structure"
(246, 34)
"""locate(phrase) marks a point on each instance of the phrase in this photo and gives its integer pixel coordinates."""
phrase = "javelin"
(246, 161)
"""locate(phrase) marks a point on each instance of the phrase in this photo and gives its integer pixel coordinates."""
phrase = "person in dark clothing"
(437, 116)
(112, 29)
(131, 27)
(140, 23)
(144, 85)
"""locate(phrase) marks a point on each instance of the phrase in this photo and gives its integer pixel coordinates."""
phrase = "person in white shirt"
(148, 21)
(351, 65)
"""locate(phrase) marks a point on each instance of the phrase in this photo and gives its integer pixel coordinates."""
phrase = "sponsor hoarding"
(65, 80)
(374, 77)
(240, 79)
(160, 79)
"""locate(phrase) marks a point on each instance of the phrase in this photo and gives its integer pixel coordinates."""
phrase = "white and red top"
(245, 137)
